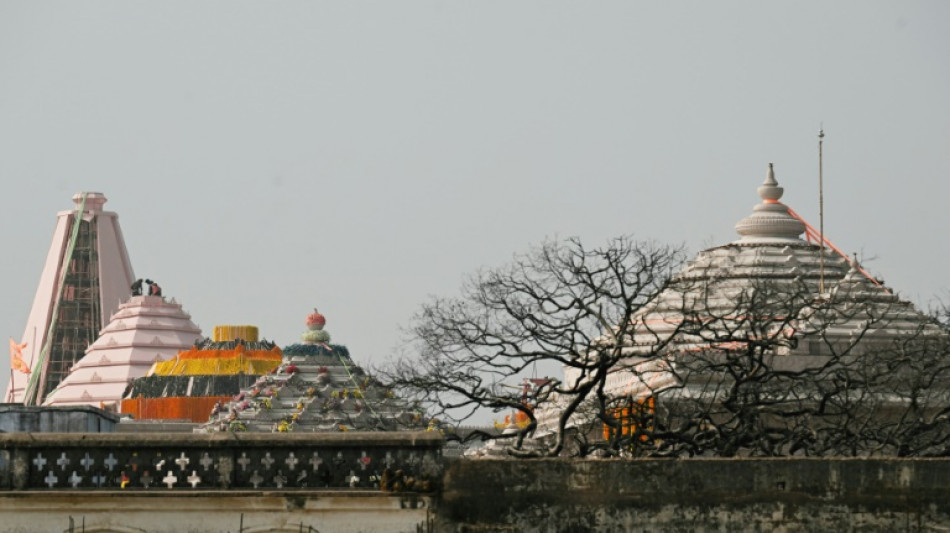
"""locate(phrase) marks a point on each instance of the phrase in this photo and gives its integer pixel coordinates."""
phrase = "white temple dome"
(772, 261)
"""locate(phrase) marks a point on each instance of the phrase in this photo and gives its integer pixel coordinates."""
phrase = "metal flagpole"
(821, 216)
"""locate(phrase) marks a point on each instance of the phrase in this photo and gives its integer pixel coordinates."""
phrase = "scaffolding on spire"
(86, 275)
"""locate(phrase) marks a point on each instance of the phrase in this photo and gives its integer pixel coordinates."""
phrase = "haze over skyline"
(358, 157)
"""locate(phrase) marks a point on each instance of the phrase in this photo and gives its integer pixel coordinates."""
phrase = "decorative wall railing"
(392, 461)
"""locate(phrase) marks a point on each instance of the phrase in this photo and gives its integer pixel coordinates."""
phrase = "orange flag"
(16, 357)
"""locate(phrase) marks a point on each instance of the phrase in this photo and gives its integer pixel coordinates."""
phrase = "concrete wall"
(563, 496)
(272, 483)
(172, 483)
(18, 418)
(200, 512)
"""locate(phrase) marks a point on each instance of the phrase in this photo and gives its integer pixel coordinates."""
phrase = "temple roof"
(771, 262)
(770, 271)
(69, 311)
(144, 330)
(802, 302)
(318, 387)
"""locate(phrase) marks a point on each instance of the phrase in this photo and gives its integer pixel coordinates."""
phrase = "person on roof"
(153, 288)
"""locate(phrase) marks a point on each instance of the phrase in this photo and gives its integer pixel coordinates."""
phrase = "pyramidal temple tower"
(86, 276)
(145, 330)
(783, 262)
(771, 254)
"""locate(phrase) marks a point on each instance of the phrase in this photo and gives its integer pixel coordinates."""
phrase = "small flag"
(16, 357)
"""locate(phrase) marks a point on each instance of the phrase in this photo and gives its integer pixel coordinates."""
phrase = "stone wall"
(564, 496)
(210, 511)
(333, 483)
(219, 482)
(220, 461)
(15, 418)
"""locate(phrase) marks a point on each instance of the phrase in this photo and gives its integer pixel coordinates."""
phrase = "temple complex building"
(772, 271)
(780, 287)
(86, 276)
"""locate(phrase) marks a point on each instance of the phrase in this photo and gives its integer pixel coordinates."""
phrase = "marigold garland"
(219, 362)
(175, 408)
(223, 353)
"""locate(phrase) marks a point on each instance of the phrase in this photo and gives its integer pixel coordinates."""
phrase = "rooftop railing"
(387, 461)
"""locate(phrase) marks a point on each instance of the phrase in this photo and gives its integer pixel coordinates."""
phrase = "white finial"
(770, 220)
(770, 175)
(770, 191)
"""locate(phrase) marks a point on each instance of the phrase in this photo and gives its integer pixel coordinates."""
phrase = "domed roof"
(768, 278)
(767, 306)
(784, 273)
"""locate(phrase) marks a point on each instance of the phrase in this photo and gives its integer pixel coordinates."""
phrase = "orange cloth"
(238, 351)
(219, 362)
(195, 409)
(16, 357)
(627, 417)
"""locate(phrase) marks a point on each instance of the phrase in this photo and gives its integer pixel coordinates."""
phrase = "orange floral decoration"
(195, 362)
(194, 409)
(628, 417)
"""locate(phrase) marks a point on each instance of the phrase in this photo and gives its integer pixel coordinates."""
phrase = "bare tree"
(661, 365)
(560, 304)
(783, 371)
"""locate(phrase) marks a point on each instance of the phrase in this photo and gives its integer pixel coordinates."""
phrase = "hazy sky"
(268, 157)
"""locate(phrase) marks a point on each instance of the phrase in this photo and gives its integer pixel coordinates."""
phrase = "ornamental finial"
(770, 220)
(315, 333)
(770, 191)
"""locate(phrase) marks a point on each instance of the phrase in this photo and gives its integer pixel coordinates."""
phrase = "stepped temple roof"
(821, 300)
(772, 262)
(144, 330)
(317, 388)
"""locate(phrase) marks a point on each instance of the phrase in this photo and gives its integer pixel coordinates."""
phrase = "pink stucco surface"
(144, 330)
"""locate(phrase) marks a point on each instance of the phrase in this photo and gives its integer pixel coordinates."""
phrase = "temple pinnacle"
(770, 220)
(770, 191)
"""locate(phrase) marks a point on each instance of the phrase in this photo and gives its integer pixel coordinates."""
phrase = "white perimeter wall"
(212, 511)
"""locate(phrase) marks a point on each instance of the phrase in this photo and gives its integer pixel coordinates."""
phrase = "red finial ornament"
(315, 320)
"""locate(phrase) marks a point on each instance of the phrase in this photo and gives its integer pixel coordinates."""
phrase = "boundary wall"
(650, 495)
(401, 483)
(221, 482)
